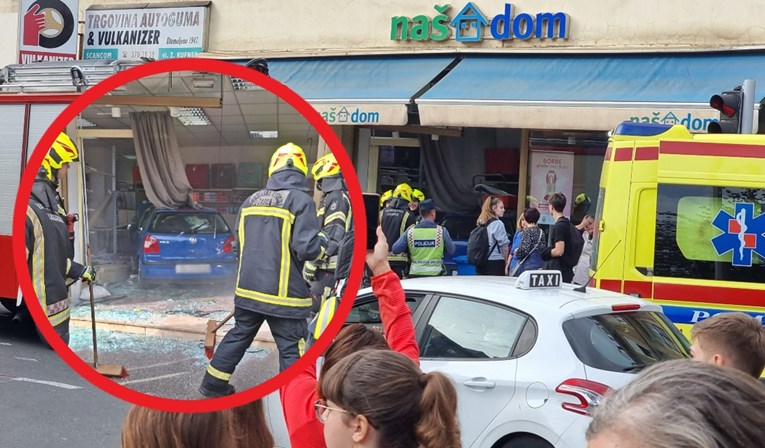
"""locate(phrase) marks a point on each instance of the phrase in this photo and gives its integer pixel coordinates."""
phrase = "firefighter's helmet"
(418, 195)
(289, 156)
(61, 151)
(325, 166)
(403, 191)
(385, 197)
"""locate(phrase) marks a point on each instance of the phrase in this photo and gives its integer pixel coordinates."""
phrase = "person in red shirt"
(299, 396)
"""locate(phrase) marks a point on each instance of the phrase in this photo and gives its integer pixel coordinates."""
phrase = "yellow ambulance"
(681, 221)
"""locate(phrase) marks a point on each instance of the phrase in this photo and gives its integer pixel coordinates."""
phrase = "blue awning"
(585, 91)
(359, 90)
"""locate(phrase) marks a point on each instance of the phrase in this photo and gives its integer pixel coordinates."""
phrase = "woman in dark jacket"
(532, 243)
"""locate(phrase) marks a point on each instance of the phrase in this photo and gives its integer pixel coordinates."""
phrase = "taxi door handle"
(480, 383)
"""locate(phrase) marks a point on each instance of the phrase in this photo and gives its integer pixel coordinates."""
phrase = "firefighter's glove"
(89, 274)
(309, 271)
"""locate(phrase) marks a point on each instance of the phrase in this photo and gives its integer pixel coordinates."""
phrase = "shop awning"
(593, 92)
(359, 90)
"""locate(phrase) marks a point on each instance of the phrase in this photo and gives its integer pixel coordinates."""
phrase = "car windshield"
(625, 342)
(188, 223)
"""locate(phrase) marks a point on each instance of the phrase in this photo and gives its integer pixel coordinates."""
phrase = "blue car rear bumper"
(170, 271)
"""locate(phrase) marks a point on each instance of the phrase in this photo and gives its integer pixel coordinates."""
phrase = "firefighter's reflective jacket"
(334, 218)
(426, 247)
(394, 220)
(48, 251)
(277, 232)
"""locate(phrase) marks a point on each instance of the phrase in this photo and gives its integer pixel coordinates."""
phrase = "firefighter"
(49, 251)
(385, 198)
(394, 220)
(277, 232)
(414, 205)
(426, 243)
(335, 220)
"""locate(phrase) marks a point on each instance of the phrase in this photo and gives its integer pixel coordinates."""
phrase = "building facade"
(519, 96)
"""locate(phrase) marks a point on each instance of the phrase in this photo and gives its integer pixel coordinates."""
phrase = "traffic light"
(730, 104)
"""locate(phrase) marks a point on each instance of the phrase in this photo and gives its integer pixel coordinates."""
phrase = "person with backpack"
(488, 245)
(567, 246)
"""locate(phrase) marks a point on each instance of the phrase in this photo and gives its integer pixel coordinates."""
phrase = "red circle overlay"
(102, 88)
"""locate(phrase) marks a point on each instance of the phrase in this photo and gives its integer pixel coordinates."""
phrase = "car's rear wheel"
(142, 282)
(527, 441)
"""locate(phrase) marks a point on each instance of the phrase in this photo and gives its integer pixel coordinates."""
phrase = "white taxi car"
(531, 358)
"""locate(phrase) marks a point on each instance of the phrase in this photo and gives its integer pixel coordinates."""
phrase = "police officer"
(426, 244)
(335, 220)
(277, 232)
(49, 252)
(394, 220)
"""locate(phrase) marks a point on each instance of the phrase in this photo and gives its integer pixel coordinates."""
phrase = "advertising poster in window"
(550, 173)
(156, 33)
(47, 30)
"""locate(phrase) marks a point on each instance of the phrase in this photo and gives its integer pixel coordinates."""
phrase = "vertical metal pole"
(747, 113)
(114, 192)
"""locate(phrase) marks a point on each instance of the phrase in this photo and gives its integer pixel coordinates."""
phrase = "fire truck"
(681, 221)
(31, 97)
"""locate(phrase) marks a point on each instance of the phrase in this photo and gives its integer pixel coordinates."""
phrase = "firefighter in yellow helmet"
(335, 220)
(277, 232)
(414, 204)
(49, 250)
(385, 198)
(394, 220)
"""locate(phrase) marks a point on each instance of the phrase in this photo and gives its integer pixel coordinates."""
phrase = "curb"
(167, 331)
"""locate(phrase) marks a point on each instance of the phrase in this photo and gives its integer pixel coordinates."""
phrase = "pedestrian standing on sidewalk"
(335, 219)
(379, 398)
(499, 244)
(515, 244)
(50, 254)
(277, 232)
(533, 242)
(561, 256)
(582, 268)
(299, 395)
(426, 243)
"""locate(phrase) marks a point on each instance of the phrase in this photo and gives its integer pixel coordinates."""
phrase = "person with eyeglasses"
(299, 396)
(379, 398)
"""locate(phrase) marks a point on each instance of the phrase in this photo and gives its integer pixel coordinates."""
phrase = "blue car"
(184, 244)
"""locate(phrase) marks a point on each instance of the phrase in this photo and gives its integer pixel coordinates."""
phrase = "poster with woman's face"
(551, 172)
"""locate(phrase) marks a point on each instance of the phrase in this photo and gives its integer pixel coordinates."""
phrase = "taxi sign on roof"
(539, 279)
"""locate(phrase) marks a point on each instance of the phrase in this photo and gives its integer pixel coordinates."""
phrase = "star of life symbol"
(743, 233)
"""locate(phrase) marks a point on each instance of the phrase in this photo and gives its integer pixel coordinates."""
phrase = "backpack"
(571, 257)
(478, 250)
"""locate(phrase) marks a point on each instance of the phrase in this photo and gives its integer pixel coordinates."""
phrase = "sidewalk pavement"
(165, 311)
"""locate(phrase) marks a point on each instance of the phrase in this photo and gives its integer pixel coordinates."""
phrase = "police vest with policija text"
(426, 248)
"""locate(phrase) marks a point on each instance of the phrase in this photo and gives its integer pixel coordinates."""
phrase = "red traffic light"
(717, 102)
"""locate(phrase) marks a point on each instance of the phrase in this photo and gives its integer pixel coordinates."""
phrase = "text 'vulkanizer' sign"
(157, 33)
(468, 25)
